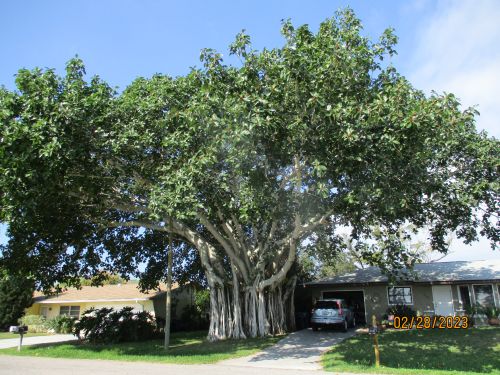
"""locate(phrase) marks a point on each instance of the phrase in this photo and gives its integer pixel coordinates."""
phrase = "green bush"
(195, 317)
(191, 320)
(106, 325)
(491, 312)
(30, 320)
(472, 311)
(61, 324)
(35, 323)
(202, 301)
(401, 310)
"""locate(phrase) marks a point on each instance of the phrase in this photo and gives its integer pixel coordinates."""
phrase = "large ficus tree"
(242, 163)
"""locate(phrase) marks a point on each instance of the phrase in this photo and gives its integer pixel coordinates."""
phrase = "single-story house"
(441, 288)
(74, 302)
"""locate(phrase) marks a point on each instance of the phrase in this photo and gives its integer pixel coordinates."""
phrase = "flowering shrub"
(106, 325)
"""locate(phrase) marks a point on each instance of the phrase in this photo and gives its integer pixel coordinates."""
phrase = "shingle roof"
(118, 292)
(459, 271)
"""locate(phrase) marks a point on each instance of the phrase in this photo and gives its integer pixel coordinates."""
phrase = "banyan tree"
(243, 163)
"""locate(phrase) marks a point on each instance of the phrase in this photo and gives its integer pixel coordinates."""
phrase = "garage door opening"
(355, 300)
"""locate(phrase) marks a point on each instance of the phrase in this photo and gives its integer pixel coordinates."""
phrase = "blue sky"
(447, 46)
(121, 40)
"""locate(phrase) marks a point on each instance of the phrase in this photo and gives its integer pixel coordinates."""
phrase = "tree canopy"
(242, 163)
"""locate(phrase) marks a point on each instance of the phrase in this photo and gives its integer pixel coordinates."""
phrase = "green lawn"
(185, 348)
(468, 351)
(8, 335)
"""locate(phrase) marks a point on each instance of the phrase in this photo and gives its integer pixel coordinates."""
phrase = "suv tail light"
(341, 313)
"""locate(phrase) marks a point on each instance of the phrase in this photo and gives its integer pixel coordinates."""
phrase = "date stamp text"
(428, 322)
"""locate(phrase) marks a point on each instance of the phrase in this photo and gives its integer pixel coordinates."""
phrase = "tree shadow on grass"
(182, 345)
(468, 350)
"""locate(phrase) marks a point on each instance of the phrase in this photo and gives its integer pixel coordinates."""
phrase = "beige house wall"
(181, 297)
(422, 298)
(53, 309)
(33, 309)
(377, 300)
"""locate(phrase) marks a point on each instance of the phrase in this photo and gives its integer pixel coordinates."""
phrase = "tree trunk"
(238, 314)
(238, 332)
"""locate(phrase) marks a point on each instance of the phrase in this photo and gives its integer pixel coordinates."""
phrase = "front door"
(443, 301)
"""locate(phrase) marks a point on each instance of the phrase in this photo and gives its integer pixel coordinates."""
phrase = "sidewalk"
(27, 340)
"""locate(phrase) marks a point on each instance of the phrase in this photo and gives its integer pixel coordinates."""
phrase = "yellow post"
(375, 343)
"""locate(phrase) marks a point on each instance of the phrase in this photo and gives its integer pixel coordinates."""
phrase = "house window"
(464, 296)
(484, 295)
(400, 295)
(44, 311)
(73, 311)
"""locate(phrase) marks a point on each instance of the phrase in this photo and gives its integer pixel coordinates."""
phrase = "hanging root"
(252, 312)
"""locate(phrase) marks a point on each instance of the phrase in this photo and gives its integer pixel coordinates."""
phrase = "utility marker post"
(374, 333)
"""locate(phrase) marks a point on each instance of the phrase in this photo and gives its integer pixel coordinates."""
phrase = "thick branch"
(280, 276)
(298, 231)
(182, 230)
(239, 232)
(238, 245)
(227, 247)
(274, 226)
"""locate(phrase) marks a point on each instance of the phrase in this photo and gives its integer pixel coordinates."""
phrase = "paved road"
(300, 350)
(56, 366)
(297, 354)
(48, 366)
(27, 340)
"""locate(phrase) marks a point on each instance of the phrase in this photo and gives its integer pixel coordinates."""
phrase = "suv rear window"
(327, 305)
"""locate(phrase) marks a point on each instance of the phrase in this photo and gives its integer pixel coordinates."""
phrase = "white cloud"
(457, 49)
(476, 251)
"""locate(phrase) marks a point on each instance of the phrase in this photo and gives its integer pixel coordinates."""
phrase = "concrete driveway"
(300, 350)
(27, 340)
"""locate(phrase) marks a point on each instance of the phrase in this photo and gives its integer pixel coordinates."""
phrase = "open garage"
(354, 299)
(306, 296)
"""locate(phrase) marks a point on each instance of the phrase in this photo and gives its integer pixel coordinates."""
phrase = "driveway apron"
(300, 350)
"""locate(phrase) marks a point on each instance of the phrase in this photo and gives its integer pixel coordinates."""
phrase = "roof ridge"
(454, 261)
